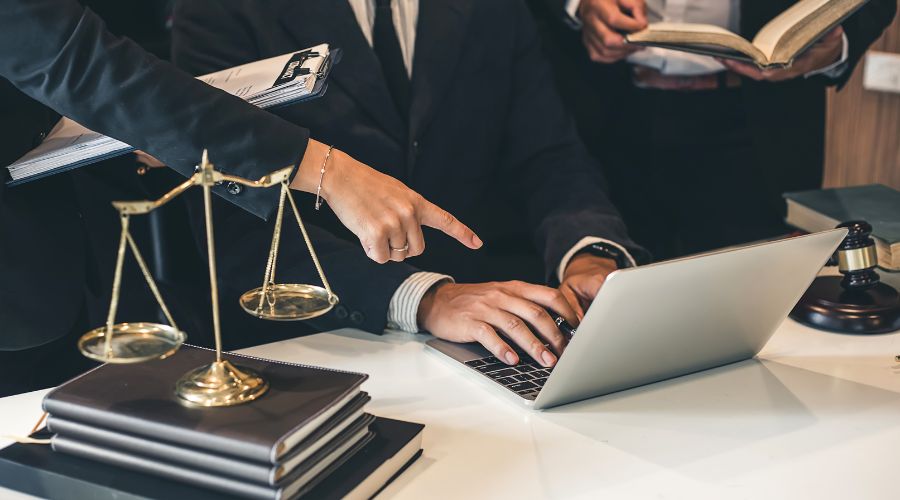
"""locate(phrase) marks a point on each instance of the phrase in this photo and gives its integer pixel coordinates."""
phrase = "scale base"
(220, 384)
(131, 343)
(826, 305)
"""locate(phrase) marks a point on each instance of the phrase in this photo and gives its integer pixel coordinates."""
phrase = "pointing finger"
(438, 218)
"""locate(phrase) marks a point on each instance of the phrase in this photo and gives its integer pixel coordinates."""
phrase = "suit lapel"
(440, 35)
(359, 73)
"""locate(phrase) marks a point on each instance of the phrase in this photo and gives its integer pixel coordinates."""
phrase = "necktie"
(387, 48)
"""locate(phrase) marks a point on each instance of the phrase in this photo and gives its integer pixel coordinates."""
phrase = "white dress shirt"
(722, 13)
(404, 304)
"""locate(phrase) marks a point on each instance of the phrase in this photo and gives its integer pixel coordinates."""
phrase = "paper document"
(266, 83)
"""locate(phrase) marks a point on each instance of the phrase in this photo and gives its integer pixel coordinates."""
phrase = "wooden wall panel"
(863, 128)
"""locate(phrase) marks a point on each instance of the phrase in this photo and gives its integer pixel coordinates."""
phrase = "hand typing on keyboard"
(493, 314)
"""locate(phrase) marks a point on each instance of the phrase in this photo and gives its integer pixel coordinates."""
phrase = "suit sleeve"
(60, 54)
(549, 168)
(863, 28)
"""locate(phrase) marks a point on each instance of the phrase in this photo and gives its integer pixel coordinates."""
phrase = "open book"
(268, 83)
(775, 46)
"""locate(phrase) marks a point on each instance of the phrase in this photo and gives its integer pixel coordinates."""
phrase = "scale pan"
(132, 342)
(289, 302)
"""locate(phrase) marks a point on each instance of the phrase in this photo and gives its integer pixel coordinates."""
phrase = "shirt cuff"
(836, 69)
(572, 14)
(404, 305)
(581, 245)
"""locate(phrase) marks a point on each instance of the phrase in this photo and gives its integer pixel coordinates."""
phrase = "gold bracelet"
(322, 177)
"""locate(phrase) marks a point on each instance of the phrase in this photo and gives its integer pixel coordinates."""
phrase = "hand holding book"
(604, 21)
(821, 54)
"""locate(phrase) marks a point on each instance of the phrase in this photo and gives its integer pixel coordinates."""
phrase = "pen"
(563, 325)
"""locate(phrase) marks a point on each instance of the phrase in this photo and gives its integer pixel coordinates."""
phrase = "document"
(267, 83)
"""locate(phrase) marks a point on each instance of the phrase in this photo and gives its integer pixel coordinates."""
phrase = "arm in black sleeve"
(60, 54)
(863, 28)
(549, 169)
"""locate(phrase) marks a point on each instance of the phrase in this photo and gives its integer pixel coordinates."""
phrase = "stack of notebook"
(268, 83)
(309, 424)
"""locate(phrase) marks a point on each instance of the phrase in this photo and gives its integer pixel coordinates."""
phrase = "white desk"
(817, 417)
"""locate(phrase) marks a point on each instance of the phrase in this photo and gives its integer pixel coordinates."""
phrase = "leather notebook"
(39, 471)
(325, 460)
(255, 472)
(139, 399)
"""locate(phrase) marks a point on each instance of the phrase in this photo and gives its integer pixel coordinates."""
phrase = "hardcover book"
(257, 472)
(139, 399)
(821, 209)
(39, 471)
(776, 45)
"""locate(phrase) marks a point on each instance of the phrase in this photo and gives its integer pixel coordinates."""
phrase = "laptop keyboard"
(524, 379)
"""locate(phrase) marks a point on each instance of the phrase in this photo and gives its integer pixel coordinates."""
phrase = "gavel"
(856, 302)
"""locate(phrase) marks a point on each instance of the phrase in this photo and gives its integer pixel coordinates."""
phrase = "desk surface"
(817, 416)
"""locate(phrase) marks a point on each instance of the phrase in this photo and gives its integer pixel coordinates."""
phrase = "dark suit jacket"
(59, 54)
(488, 137)
(787, 119)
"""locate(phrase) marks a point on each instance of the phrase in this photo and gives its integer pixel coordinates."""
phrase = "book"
(139, 399)
(256, 472)
(322, 463)
(267, 83)
(38, 471)
(879, 205)
(776, 45)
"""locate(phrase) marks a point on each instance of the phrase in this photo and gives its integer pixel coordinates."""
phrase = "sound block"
(826, 305)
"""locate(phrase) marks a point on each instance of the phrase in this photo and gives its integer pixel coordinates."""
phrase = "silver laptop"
(664, 320)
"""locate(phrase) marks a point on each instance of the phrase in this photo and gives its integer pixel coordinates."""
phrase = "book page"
(797, 15)
(698, 38)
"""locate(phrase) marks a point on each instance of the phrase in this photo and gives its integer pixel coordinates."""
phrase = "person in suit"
(453, 98)
(56, 58)
(698, 151)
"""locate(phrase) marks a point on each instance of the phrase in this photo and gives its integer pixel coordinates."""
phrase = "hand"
(583, 278)
(482, 312)
(147, 160)
(381, 211)
(603, 21)
(821, 54)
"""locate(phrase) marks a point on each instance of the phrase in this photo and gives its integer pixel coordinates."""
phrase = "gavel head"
(856, 256)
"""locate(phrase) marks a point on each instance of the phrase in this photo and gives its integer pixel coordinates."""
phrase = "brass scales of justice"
(220, 383)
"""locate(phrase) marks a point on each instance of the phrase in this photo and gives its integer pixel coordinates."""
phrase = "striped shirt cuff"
(404, 305)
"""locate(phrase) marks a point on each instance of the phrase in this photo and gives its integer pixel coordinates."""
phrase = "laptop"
(664, 320)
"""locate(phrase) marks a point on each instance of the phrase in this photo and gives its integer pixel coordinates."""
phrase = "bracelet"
(322, 177)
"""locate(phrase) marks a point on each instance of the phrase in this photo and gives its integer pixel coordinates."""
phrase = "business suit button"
(233, 188)
(357, 318)
(415, 147)
(341, 312)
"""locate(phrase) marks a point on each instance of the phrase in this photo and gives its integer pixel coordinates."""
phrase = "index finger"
(619, 20)
(637, 8)
(440, 219)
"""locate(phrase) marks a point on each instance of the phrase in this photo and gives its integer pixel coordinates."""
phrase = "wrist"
(309, 172)
(589, 263)
(427, 305)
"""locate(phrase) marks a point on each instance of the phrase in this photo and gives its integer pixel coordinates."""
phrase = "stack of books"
(309, 426)
(268, 83)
